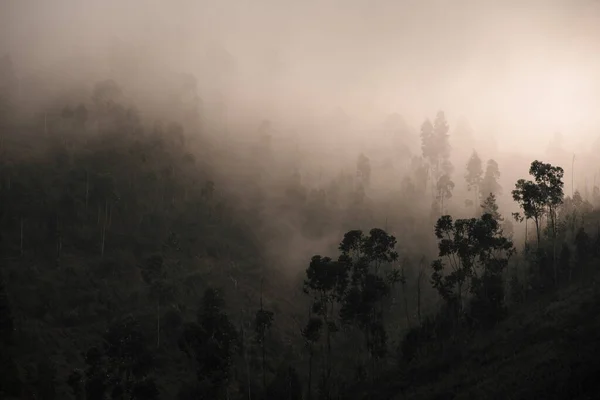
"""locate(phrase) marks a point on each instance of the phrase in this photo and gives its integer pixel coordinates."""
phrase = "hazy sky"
(522, 68)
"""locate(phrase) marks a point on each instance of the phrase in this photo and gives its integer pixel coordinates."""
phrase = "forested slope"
(545, 350)
(150, 259)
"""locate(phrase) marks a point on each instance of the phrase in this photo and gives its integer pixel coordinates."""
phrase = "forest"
(135, 266)
(177, 222)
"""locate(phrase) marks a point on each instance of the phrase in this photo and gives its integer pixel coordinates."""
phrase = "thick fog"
(520, 70)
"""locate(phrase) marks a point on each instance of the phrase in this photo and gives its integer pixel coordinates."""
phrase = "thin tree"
(444, 191)
(154, 274)
(422, 266)
(263, 322)
(311, 334)
(474, 175)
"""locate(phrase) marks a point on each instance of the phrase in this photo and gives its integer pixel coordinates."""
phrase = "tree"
(311, 334)
(530, 198)
(444, 190)
(477, 253)
(210, 342)
(435, 145)
(6, 318)
(583, 246)
(263, 322)
(106, 94)
(155, 275)
(474, 175)
(363, 170)
(368, 258)
(120, 366)
(542, 197)
(326, 282)
(428, 145)
(442, 140)
(489, 183)
(490, 206)
(286, 385)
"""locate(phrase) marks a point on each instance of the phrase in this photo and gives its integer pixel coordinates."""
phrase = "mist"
(517, 70)
(158, 153)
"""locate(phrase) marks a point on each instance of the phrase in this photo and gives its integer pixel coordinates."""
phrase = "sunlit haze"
(527, 69)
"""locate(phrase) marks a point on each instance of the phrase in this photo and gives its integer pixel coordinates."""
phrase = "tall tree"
(489, 183)
(542, 197)
(442, 141)
(428, 145)
(474, 175)
(476, 252)
(120, 366)
(490, 206)
(210, 342)
(155, 276)
(369, 260)
(6, 318)
(311, 334)
(326, 282)
(363, 170)
(444, 191)
(263, 322)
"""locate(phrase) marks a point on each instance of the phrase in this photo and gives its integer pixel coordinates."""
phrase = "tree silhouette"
(120, 366)
(6, 319)
(155, 275)
(444, 190)
(326, 281)
(489, 183)
(542, 197)
(363, 170)
(368, 258)
(490, 206)
(474, 175)
(428, 145)
(476, 253)
(210, 342)
(442, 140)
(311, 334)
(263, 322)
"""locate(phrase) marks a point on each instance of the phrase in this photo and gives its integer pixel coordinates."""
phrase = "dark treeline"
(145, 259)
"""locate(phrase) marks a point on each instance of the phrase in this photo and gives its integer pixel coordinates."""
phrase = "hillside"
(146, 259)
(547, 349)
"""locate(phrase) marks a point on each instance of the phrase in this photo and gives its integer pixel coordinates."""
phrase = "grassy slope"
(549, 349)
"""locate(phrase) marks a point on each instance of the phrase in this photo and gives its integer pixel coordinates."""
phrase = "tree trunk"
(310, 365)
(58, 239)
(104, 229)
(246, 362)
(526, 232)
(405, 299)
(442, 205)
(21, 246)
(87, 190)
(554, 265)
(328, 371)
(537, 231)
(264, 366)
(419, 298)
(157, 324)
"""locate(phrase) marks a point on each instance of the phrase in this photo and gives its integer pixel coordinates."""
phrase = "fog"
(522, 70)
(516, 79)
(153, 150)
